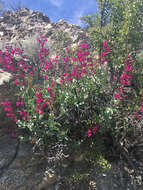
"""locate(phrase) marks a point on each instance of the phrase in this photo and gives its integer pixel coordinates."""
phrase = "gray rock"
(25, 25)
(4, 77)
(19, 167)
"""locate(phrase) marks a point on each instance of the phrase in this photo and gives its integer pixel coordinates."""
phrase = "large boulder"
(21, 28)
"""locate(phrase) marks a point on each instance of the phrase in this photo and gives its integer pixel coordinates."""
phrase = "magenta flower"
(73, 73)
(40, 100)
(45, 39)
(83, 65)
(41, 112)
(48, 89)
(69, 79)
(37, 110)
(39, 94)
(138, 115)
(117, 96)
(141, 109)
(129, 68)
(8, 109)
(89, 133)
(84, 71)
(79, 75)
(53, 83)
(125, 82)
(73, 58)
(124, 76)
(108, 49)
(43, 105)
(31, 72)
(86, 53)
(104, 53)
(17, 103)
(47, 66)
(6, 53)
(22, 103)
(16, 82)
(89, 59)
(66, 59)
(4, 103)
(65, 74)
(130, 76)
(84, 46)
(21, 113)
(24, 118)
(45, 77)
(105, 43)
(103, 60)
(122, 89)
(95, 129)
(79, 54)
(42, 43)
(12, 51)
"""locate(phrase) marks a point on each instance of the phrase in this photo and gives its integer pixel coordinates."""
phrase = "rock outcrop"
(24, 26)
(15, 25)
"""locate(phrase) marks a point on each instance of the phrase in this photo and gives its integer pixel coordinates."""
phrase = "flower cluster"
(9, 113)
(125, 79)
(9, 110)
(82, 65)
(105, 53)
(95, 128)
(40, 103)
(21, 106)
(17, 68)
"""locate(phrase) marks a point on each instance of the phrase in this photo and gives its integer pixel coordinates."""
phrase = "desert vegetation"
(91, 100)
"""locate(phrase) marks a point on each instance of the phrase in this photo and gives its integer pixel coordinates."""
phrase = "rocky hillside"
(24, 26)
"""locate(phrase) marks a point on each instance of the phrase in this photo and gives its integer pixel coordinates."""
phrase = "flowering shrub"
(68, 99)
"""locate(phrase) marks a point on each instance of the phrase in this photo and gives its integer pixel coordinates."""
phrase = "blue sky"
(69, 10)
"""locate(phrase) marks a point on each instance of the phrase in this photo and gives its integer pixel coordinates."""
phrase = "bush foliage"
(75, 98)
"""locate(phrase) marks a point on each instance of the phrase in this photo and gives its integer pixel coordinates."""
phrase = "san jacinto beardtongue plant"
(66, 104)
